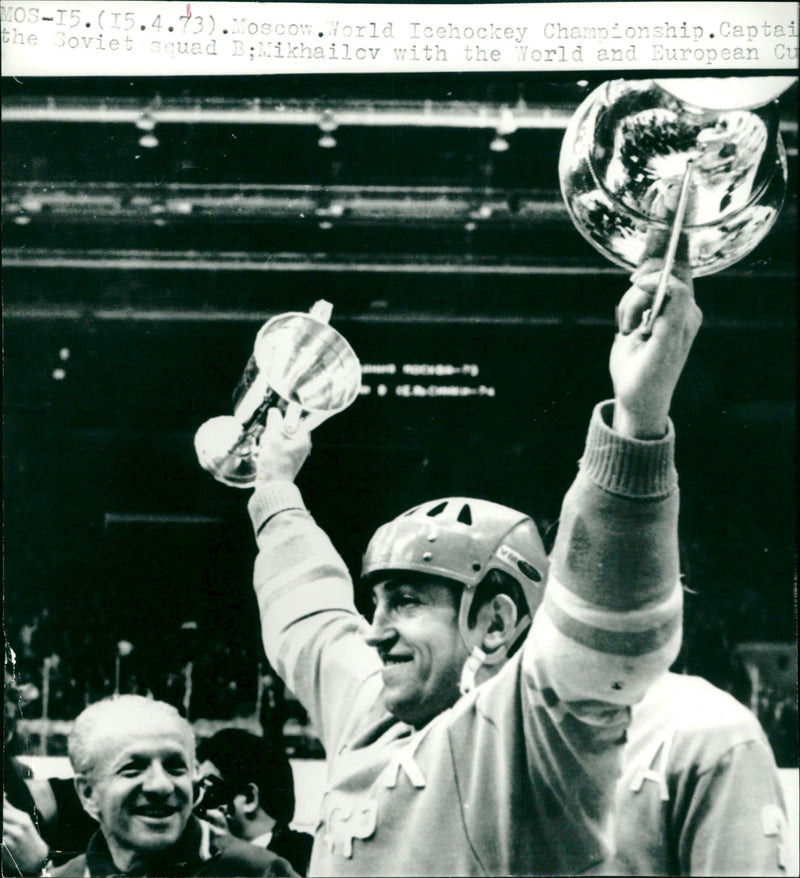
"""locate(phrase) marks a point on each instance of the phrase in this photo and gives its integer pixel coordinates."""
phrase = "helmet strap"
(471, 667)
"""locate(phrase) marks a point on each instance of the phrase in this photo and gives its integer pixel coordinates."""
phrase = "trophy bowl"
(625, 152)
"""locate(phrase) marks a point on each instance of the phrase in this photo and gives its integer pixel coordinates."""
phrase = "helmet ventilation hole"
(465, 516)
(437, 510)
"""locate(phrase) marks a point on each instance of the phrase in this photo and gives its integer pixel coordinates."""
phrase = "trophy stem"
(260, 413)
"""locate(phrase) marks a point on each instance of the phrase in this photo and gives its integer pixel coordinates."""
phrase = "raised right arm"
(610, 622)
(313, 635)
(612, 611)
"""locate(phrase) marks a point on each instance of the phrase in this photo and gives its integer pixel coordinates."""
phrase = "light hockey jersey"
(518, 777)
(700, 793)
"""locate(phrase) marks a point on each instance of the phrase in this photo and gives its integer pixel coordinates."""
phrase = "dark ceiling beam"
(20, 314)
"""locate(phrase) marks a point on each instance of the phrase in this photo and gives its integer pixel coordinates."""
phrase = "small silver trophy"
(299, 364)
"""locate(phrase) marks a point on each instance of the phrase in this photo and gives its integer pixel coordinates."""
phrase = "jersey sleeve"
(313, 635)
(609, 625)
(731, 818)
(610, 622)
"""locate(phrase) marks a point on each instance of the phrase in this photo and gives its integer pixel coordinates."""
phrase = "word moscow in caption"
(412, 34)
(408, 49)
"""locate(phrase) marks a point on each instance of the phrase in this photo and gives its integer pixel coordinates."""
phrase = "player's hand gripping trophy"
(300, 365)
(651, 159)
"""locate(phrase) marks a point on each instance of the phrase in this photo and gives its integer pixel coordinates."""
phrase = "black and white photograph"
(399, 435)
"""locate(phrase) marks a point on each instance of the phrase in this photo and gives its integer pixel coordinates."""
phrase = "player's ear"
(495, 622)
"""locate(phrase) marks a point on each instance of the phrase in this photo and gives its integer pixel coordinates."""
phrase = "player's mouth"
(156, 812)
(389, 660)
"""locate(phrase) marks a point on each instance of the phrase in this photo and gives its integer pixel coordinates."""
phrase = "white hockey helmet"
(462, 539)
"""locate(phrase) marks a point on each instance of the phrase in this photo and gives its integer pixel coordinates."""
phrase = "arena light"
(330, 209)
(328, 122)
(327, 125)
(182, 206)
(484, 212)
(508, 122)
(31, 204)
(145, 122)
(505, 128)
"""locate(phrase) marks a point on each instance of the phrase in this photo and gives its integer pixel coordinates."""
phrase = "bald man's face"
(140, 787)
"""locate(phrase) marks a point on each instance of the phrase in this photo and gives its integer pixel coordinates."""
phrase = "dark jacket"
(198, 852)
(292, 846)
(72, 828)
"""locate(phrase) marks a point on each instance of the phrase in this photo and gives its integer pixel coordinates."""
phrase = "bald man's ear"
(85, 789)
(495, 622)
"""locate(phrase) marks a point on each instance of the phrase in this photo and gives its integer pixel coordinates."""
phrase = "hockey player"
(452, 749)
(700, 792)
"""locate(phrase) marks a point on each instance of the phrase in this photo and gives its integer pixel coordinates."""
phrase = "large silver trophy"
(633, 148)
(301, 365)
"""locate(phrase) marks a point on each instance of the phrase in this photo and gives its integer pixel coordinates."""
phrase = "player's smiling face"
(415, 630)
(140, 788)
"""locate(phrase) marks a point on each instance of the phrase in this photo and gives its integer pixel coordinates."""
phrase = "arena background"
(139, 263)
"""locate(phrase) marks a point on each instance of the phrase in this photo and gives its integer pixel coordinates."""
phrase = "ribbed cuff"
(636, 468)
(269, 498)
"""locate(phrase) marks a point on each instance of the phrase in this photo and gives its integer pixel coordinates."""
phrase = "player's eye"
(405, 598)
